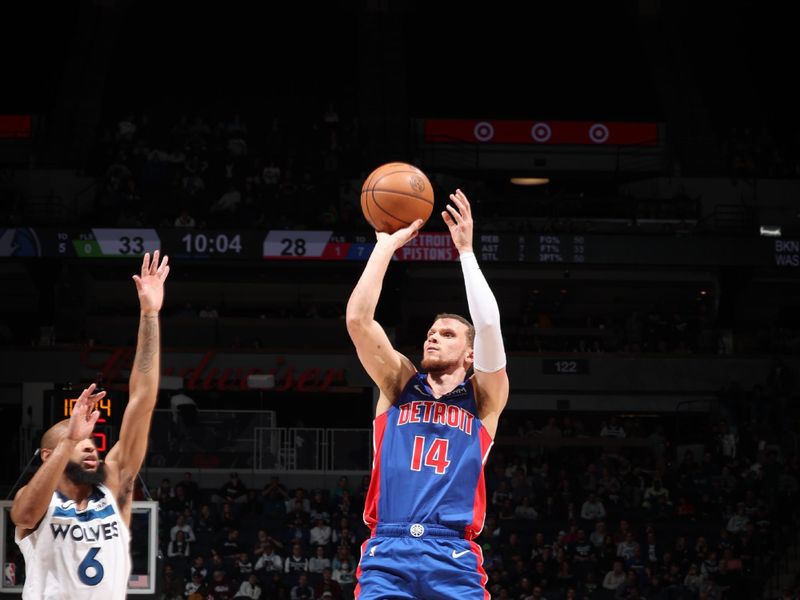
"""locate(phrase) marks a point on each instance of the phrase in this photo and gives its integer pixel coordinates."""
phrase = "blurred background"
(634, 169)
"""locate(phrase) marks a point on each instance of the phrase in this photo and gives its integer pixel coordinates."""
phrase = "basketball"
(395, 195)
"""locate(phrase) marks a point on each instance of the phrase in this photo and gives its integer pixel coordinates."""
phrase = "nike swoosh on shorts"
(460, 554)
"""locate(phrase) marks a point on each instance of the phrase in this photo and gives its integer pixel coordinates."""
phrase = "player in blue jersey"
(73, 517)
(432, 432)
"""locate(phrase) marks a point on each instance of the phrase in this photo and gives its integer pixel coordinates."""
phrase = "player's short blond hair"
(460, 319)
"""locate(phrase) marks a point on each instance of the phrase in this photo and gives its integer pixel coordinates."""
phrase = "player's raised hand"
(459, 220)
(84, 414)
(150, 283)
(401, 237)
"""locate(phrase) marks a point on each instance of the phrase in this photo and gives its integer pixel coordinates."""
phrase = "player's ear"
(470, 357)
(44, 453)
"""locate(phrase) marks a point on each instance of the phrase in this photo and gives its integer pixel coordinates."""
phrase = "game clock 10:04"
(211, 243)
(103, 432)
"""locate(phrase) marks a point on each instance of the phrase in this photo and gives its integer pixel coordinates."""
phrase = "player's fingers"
(448, 220)
(138, 281)
(456, 215)
(86, 392)
(165, 272)
(464, 199)
(93, 417)
(146, 264)
(164, 263)
(97, 396)
(461, 208)
(154, 264)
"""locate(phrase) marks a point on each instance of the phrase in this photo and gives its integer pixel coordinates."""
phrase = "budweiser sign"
(215, 371)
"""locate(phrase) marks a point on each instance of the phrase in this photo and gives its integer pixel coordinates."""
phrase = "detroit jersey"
(80, 554)
(428, 461)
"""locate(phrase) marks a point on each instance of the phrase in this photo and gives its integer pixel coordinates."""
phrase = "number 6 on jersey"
(436, 457)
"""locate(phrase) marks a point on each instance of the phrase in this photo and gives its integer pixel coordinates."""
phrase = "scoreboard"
(304, 245)
(58, 405)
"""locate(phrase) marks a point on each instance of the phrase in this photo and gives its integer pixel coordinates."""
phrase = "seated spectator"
(196, 586)
(243, 566)
(320, 534)
(343, 555)
(342, 487)
(598, 535)
(218, 563)
(231, 546)
(185, 220)
(615, 577)
(250, 589)
(296, 532)
(163, 493)
(593, 509)
(232, 490)
(296, 562)
(525, 511)
(738, 521)
(343, 535)
(181, 503)
(172, 584)
(654, 493)
(298, 503)
(318, 507)
(345, 576)
(263, 537)
(328, 585)
(319, 562)
(501, 494)
(220, 587)
(269, 561)
(694, 579)
(198, 568)
(228, 519)
(179, 550)
(630, 583)
(181, 525)
(274, 497)
(302, 590)
(613, 429)
(627, 548)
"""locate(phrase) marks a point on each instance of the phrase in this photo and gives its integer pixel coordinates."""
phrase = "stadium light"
(530, 180)
(770, 230)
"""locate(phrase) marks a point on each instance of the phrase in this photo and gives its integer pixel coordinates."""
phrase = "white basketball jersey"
(78, 554)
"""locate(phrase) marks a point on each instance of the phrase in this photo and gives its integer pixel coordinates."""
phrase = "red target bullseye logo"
(541, 132)
(598, 133)
(484, 131)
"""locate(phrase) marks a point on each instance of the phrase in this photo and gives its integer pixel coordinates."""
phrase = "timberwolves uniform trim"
(79, 554)
(426, 501)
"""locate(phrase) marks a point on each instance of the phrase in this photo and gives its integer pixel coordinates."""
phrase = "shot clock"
(59, 403)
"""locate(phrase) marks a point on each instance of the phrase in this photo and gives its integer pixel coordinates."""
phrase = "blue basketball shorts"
(421, 562)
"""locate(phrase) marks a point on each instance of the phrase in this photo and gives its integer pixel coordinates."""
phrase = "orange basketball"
(395, 195)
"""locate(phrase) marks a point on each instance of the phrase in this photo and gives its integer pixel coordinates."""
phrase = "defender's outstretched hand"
(84, 415)
(150, 283)
(401, 237)
(459, 221)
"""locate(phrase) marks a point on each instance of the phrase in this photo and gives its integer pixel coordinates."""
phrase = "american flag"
(137, 582)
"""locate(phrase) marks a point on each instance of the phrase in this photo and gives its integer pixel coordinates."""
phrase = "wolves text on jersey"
(88, 533)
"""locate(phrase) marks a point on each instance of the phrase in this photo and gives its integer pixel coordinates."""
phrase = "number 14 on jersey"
(435, 456)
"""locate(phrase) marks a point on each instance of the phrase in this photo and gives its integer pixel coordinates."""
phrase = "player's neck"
(443, 382)
(79, 492)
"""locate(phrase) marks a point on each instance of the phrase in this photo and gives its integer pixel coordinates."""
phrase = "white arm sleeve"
(490, 355)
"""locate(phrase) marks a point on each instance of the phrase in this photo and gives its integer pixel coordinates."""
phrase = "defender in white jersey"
(73, 517)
